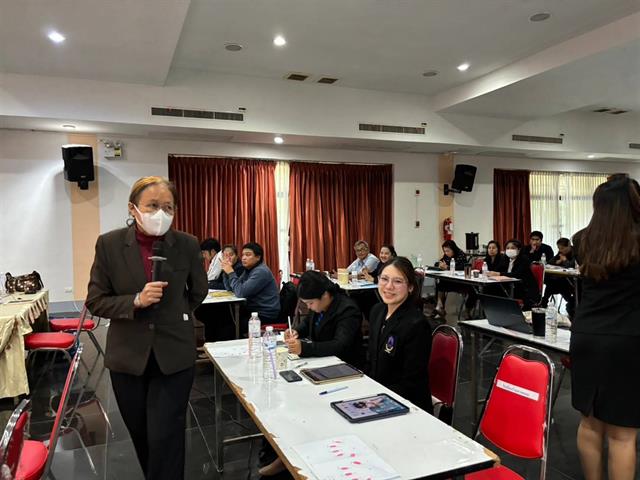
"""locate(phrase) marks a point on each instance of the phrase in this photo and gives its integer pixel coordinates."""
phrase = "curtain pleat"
(544, 188)
(511, 205)
(231, 199)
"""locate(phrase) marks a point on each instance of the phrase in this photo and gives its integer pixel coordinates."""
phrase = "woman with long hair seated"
(451, 251)
(387, 252)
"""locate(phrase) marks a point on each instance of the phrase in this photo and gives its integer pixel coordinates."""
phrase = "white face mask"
(511, 253)
(157, 223)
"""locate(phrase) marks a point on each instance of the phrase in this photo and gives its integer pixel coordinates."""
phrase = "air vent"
(610, 110)
(328, 80)
(369, 127)
(617, 112)
(601, 110)
(298, 77)
(635, 145)
(189, 113)
(532, 138)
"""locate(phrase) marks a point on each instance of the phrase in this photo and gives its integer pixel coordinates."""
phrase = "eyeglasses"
(167, 208)
(396, 282)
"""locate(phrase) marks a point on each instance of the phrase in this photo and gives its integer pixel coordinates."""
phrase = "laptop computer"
(504, 312)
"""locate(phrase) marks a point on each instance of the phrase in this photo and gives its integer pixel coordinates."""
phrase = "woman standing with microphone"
(151, 346)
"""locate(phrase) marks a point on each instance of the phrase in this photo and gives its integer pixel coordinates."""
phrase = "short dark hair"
(313, 285)
(210, 244)
(406, 267)
(536, 233)
(231, 246)
(563, 242)
(496, 243)
(256, 248)
(390, 248)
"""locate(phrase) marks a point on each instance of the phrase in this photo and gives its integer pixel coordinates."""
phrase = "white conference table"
(480, 328)
(231, 300)
(416, 445)
(478, 284)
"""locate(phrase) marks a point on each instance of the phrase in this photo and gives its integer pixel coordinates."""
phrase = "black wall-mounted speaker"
(464, 177)
(78, 164)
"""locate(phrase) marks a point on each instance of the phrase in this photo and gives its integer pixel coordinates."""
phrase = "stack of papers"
(220, 293)
(345, 457)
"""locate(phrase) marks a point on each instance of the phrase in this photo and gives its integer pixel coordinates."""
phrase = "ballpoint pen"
(301, 365)
(337, 389)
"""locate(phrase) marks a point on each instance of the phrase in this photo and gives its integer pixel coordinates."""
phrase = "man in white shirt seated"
(211, 252)
(364, 258)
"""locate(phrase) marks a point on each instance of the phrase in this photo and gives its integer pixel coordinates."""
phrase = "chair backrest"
(444, 363)
(518, 409)
(13, 437)
(537, 269)
(62, 406)
(477, 263)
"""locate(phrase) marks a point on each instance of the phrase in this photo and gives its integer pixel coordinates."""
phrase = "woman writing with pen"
(333, 329)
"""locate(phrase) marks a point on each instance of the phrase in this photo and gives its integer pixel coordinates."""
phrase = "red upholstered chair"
(36, 457)
(517, 413)
(12, 439)
(566, 365)
(71, 325)
(537, 269)
(444, 365)
(477, 264)
(54, 341)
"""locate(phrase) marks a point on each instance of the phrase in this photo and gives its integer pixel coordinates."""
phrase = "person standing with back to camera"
(151, 348)
(605, 334)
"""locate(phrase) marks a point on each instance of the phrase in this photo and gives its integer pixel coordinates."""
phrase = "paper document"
(346, 458)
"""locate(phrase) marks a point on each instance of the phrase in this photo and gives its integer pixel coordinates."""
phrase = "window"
(561, 203)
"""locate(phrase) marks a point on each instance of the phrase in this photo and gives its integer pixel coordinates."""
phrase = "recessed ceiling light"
(278, 139)
(463, 67)
(279, 41)
(591, 156)
(56, 37)
(539, 17)
(68, 125)
(430, 73)
(233, 47)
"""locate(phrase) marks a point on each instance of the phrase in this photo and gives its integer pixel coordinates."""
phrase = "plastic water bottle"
(312, 264)
(452, 266)
(307, 266)
(485, 269)
(269, 355)
(419, 260)
(551, 323)
(255, 344)
(354, 277)
(3, 279)
(543, 259)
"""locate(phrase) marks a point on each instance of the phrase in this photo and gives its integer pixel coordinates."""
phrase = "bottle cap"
(254, 314)
(269, 328)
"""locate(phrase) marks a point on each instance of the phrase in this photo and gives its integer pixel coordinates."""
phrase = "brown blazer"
(118, 274)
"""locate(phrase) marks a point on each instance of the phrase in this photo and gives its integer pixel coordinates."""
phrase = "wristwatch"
(136, 301)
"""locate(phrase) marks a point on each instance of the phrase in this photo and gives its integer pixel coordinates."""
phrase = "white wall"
(473, 211)
(35, 209)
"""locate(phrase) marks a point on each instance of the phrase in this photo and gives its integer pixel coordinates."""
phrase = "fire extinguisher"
(447, 228)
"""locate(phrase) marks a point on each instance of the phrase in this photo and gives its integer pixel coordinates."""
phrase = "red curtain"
(331, 206)
(231, 199)
(511, 205)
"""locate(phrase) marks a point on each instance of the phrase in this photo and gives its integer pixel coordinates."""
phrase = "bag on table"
(29, 283)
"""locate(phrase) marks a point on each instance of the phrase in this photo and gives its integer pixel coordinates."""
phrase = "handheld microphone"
(156, 260)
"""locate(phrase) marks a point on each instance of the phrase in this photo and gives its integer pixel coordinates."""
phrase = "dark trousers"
(154, 408)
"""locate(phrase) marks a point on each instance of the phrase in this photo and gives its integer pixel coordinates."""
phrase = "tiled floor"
(114, 458)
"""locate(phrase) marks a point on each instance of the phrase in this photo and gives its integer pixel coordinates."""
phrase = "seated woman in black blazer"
(519, 267)
(496, 260)
(451, 251)
(387, 252)
(400, 336)
(334, 327)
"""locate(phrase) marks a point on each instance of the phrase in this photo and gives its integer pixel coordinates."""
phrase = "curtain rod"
(276, 159)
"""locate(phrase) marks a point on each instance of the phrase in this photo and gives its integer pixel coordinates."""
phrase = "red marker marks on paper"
(344, 468)
(357, 463)
(352, 455)
(348, 474)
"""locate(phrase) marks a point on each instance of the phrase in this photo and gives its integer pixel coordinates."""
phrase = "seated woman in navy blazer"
(400, 336)
(519, 267)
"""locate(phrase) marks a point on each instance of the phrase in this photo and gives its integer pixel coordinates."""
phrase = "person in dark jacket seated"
(387, 252)
(334, 327)
(257, 285)
(536, 248)
(451, 251)
(400, 336)
(559, 285)
(519, 267)
(496, 260)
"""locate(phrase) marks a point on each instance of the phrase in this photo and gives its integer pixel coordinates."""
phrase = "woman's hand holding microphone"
(150, 294)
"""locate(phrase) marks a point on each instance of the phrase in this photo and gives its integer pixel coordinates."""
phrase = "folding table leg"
(218, 439)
